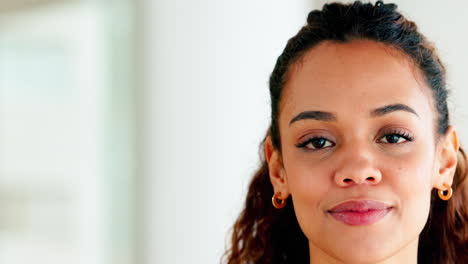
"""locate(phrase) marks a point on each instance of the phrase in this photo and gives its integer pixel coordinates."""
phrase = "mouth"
(362, 212)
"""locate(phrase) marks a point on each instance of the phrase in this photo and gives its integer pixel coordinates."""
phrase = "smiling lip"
(362, 212)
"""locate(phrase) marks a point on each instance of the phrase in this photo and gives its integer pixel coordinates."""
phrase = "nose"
(357, 169)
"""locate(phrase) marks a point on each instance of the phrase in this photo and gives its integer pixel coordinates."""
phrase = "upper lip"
(359, 206)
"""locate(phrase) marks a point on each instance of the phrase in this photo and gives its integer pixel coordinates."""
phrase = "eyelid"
(316, 133)
(307, 139)
(404, 133)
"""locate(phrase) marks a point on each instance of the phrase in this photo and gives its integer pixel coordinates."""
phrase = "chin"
(361, 248)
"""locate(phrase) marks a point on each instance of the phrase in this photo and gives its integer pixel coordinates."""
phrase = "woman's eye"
(395, 138)
(315, 143)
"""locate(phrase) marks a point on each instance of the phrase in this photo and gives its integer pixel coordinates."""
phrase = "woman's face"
(357, 125)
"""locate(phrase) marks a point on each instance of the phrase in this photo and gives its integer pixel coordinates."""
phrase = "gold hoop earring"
(447, 196)
(277, 202)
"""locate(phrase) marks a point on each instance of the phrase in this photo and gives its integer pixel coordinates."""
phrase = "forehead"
(353, 77)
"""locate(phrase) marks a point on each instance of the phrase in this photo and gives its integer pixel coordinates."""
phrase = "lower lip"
(360, 218)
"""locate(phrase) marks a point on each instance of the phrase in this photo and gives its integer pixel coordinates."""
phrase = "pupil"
(318, 143)
(392, 138)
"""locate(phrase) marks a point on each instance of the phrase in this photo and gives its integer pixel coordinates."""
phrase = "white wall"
(207, 65)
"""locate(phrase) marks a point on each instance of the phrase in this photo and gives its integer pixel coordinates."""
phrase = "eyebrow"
(392, 108)
(327, 116)
(315, 115)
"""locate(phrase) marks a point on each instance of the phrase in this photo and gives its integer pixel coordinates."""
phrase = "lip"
(360, 212)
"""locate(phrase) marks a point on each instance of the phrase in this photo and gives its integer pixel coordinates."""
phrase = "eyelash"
(401, 134)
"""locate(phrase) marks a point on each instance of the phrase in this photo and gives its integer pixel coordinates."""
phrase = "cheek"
(310, 183)
(306, 176)
(410, 174)
(409, 178)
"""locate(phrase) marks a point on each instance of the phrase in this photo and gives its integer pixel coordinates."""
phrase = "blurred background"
(129, 129)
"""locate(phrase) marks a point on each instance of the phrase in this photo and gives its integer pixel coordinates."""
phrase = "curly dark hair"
(263, 234)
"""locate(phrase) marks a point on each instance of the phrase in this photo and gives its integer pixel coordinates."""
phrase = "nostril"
(348, 180)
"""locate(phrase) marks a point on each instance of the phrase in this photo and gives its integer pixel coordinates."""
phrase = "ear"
(446, 159)
(278, 175)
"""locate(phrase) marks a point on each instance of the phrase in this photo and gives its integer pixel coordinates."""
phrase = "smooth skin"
(360, 150)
